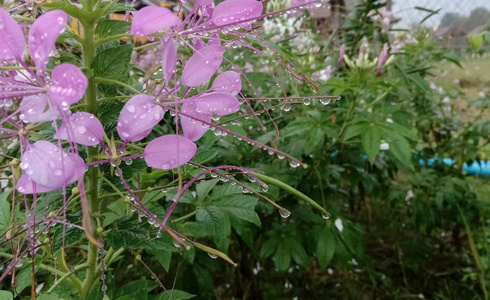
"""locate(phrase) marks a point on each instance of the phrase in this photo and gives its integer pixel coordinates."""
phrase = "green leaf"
(72, 236)
(355, 130)
(241, 206)
(213, 218)
(65, 6)
(204, 156)
(137, 289)
(204, 187)
(325, 248)
(113, 63)
(371, 139)
(24, 279)
(107, 28)
(4, 213)
(6, 295)
(298, 252)
(282, 256)
(164, 258)
(47, 296)
(399, 147)
(174, 295)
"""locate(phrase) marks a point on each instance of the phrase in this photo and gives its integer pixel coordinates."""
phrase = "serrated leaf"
(325, 247)
(137, 289)
(164, 258)
(72, 236)
(113, 63)
(107, 28)
(203, 156)
(399, 147)
(371, 139)
(213, 218)
(47, 296)
(65, 6)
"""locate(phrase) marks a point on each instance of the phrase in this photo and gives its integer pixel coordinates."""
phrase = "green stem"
(292, 191)
(88, 46)
(183, 218)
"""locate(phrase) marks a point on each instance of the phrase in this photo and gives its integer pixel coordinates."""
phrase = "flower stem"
(88, 47)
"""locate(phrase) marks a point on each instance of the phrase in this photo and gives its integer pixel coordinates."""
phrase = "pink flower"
(42, 36)
(169, 59)
(48, 167)
(227, 82)
(138, 117)
(169, 152)
(231, 11)
(12, 41)
(82, 128)
(202, 65)
(152, 19)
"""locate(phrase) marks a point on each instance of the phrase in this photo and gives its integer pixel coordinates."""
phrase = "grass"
(473, 81)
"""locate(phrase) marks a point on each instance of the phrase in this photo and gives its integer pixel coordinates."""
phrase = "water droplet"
(176, 244)
(306, 101)
(128, 162)
(19, 263)
(212, 256)
(325, 101)
(294, 164)
(325, 215)
(284, 213)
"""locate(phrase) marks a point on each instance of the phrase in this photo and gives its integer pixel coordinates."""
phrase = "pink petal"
(198, 44)
(152, 19)
(220, 104)
(82, 128)
(169, 152)
(202, 65)
(138, 117)
(69, 85)
(204, 2)
(12, 40)
(193, 129)
(227, 82)
(169, 59)
(43, 34)
(231, 11)
(46, 164)
(36, 109)
(26, 186)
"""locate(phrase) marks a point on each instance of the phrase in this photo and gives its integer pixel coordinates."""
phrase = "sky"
(405, 9)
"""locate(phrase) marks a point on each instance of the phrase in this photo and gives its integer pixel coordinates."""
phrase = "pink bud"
(202, 65)
(342, 53)
(193, 129)
(231, 11)
(82, 128)
(48, 166)
(138, 117)
(36, 109)
(43, 34)
(169, 59)
(227, 82)
(383, 57)
(12, 40)
(152, 19)
(69, 85)
(169, 152)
